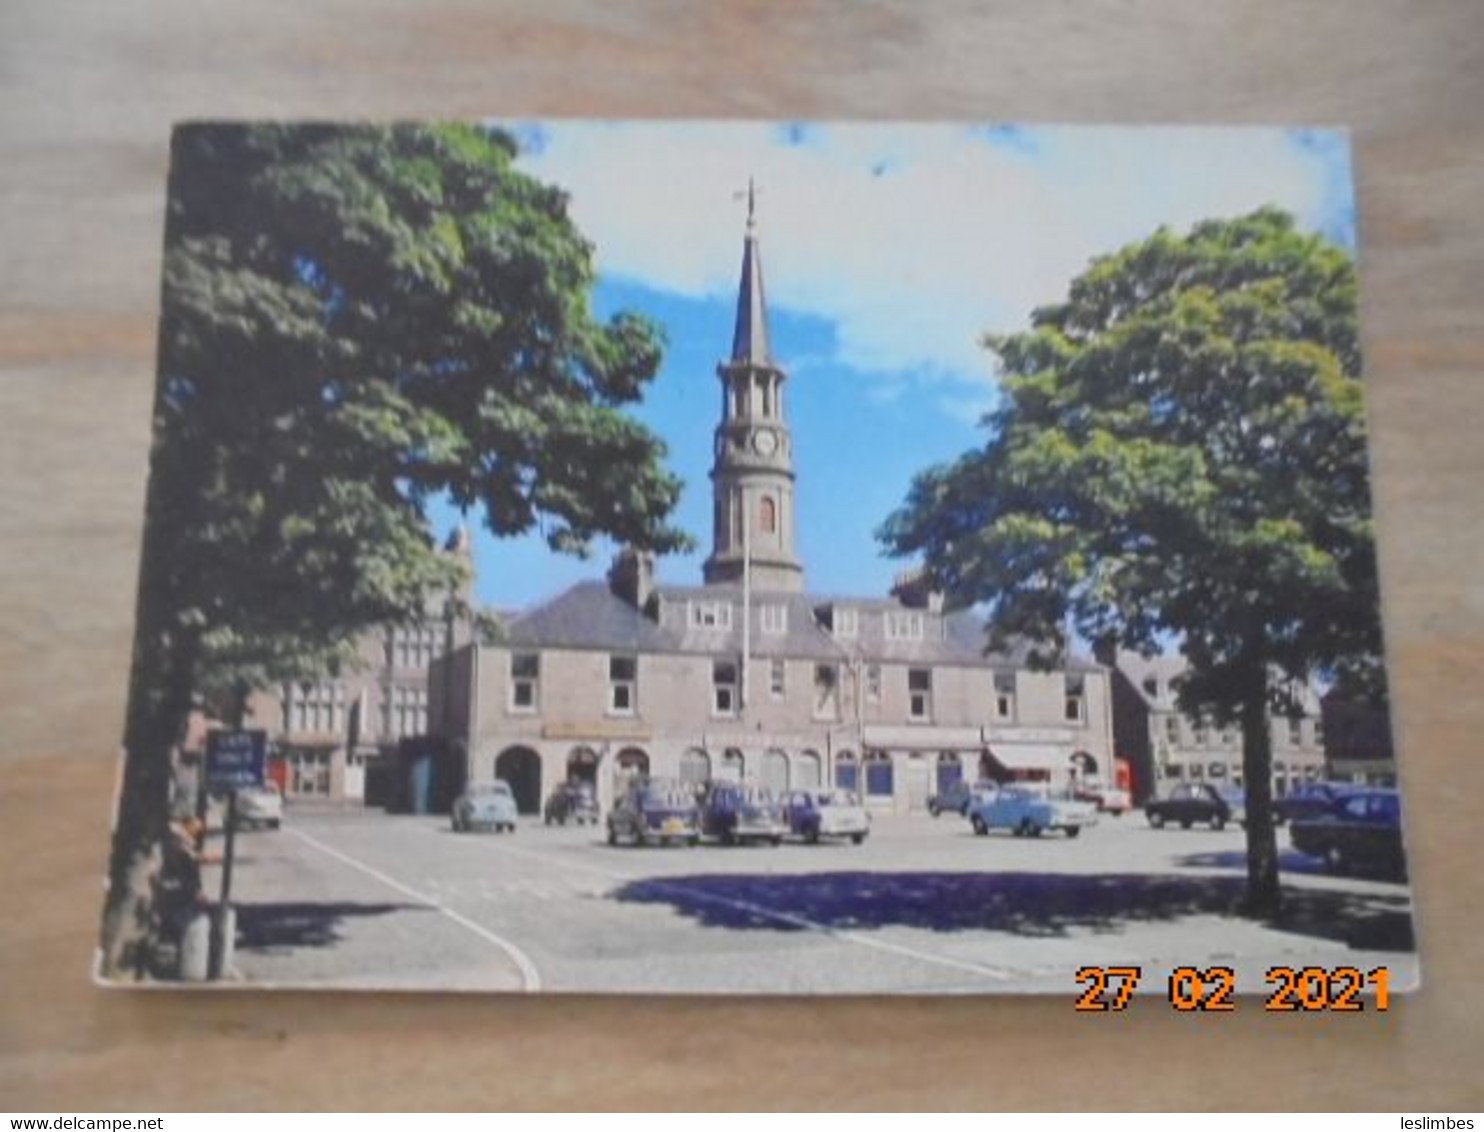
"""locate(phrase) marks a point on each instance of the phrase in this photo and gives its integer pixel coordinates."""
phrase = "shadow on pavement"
(1025, 904)
(1289, 861)
(263, 927)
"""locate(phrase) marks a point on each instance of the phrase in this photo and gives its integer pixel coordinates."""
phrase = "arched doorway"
(521, 768)
(775, 770)
(846, 772)
(695, 766)
(1084, 767)
(733, 766)
(631, 763)
(582, 766)
(807, 771)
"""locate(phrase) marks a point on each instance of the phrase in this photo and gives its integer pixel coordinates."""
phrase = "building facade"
(748, 676)
(1164, 745)
(331, 733)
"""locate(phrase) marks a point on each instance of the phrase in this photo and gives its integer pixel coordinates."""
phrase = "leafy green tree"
(354, 320)
(1179, 454)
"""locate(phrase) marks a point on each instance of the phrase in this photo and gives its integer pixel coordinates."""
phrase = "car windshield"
(837, 798)
(489, 788)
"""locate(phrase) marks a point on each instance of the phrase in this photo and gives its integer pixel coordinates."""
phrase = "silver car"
(485, 805)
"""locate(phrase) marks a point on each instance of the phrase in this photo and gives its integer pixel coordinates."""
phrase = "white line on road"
(528, 973)
(996, 973)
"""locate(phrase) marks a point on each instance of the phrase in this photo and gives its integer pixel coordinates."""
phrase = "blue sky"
(887, 251)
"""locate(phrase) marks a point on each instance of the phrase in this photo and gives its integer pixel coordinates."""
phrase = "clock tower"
(752, 474)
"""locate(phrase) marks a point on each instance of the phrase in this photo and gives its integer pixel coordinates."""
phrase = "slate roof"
(590, 616)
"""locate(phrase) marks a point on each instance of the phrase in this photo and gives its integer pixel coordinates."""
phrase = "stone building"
(329, 733)
(1165, 745)
(1357, 740)
(750, 677)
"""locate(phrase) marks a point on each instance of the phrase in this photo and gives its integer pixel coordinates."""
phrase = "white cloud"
(955, 236)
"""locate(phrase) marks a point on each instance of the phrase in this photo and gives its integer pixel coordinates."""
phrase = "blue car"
(654, 812)
(1362, 830)
(1028, 811)
(732, 813)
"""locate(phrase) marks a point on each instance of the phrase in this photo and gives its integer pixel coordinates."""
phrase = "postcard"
(761, 557)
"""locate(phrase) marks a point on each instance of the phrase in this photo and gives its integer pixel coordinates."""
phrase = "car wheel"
(980, 827)
(1186, 823)
(1156, 820)
(693, 840)
(1026, 828)
(857, 838)
(274, 823)
(1218, 823)
(1073, 830)
(728, 837)
(775, 841)
(812, 837)
(1036, 830)
(510, 827)
(612, 836)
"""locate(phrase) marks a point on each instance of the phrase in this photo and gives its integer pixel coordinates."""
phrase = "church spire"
(753, 476)
(750, 338)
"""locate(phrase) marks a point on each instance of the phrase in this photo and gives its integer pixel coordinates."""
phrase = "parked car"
(654, 811)
(1188, 803)
(571, 801)
(813, 814)
(959, 796)
(1105, 798)
(485, 805)
(1362, 829)
(1309, 799)
(259, 806)
(1028, 811)
(732, 813)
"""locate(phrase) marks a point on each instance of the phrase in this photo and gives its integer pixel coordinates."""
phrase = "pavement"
(358, 898)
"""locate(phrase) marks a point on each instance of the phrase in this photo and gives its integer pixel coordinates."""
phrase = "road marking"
(528, 973)
(901, 950)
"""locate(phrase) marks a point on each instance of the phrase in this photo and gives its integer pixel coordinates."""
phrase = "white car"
(485, 805)
(259, 806)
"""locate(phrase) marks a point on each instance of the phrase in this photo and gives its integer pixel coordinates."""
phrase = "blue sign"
(235, 759)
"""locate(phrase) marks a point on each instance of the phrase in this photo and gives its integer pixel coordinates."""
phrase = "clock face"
(764, 443)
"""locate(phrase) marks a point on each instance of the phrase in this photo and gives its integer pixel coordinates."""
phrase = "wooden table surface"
(87, 94)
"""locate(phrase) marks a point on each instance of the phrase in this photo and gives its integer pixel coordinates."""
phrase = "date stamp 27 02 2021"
(1212, 989)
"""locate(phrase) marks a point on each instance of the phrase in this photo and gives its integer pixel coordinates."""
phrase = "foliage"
(1179, 454)
(354, 320)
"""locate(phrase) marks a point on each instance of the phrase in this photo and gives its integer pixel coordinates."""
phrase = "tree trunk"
(1264, 897)
(132, 919)
(161, 685)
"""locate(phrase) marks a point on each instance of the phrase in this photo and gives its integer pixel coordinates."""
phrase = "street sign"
(235, 759)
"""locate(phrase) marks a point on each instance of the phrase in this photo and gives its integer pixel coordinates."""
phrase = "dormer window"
(711, 615)
(846, 623)
(903, 625)
(774, 618)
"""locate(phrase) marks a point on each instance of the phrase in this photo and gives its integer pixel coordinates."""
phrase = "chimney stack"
(911, 589)
(631, 577)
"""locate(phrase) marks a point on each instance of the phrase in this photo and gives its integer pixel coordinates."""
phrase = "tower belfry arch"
(752, 475)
